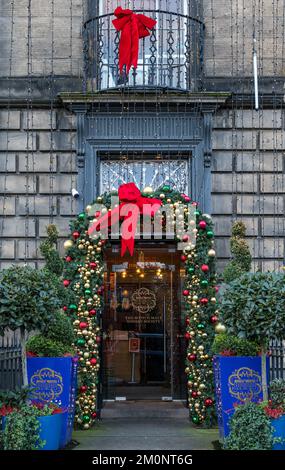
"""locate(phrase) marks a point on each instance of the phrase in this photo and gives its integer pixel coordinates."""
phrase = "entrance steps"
(144, 409)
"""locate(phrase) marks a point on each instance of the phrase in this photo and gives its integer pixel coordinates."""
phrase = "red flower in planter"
(273, 413)
(6, 410)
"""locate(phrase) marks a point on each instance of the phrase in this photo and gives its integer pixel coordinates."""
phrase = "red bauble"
(187, 336)
(68, 259)
(217, 289)
(98, 339)
(94, 415)
(83, 389)
(205, 268)
(66, 282)
(187, 199)
(93, 265)
(76, 235)
(186, 292)
(208, 402)
(100, 290)
(214, 319)
(194, 394)
(192, 357)
(204, 301)
(202, 224)
(92, 312)
(185, 238)
(97, 214)
(93, 361)
(183, 258)
(64, 308)
(187, 321)
(83, 325)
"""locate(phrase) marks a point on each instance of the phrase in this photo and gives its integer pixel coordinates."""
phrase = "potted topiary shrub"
(28, 300)
(253, 309)
(52, 369)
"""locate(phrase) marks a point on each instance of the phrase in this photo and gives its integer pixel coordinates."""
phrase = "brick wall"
(248, 182)
(35, 186)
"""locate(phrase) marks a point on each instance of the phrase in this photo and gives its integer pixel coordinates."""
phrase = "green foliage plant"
(240, 252)
(28, 301)
(277, 393)
(41, 346)
(250, 429)
(230, 345)
(22, 430)
(253, 307)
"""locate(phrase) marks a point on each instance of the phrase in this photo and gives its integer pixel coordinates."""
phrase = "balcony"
(170, 58)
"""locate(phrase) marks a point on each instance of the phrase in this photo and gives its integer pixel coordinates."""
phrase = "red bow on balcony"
(133, 27)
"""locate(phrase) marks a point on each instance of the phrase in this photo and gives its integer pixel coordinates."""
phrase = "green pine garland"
(84, 271)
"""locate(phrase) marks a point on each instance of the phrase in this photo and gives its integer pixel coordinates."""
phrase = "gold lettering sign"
(245, 384)
(143, 300)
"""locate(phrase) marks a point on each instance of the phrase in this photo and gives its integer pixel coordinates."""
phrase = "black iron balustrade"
(171, 57)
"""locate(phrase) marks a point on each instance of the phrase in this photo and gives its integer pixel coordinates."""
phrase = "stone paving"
(145, 434)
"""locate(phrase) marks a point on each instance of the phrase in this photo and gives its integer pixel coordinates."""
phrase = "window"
(147, 172)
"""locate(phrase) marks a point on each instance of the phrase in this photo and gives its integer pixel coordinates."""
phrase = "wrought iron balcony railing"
(171, 57)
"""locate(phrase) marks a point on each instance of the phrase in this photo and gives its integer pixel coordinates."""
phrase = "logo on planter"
(245, 384)
(47, 384)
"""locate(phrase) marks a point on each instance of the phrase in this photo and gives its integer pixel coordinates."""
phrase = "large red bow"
(132, 204)
(133, 27)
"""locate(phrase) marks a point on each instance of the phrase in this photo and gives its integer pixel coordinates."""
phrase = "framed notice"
(134, 345)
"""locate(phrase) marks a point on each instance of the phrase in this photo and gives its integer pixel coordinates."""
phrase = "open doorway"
(143, 347)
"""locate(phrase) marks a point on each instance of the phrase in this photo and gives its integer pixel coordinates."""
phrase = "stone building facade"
(49, 129)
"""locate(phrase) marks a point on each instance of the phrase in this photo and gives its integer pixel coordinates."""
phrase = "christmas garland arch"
(84, 274)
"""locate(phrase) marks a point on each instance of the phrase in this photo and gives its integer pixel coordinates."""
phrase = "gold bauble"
(202, 386)
(148, 190)
(99, 199)
(80, 246)
(213, 300)
(88, 208)
(220, 328)
(68, 244)
(86, 426)
(211, 253)
(162, 196)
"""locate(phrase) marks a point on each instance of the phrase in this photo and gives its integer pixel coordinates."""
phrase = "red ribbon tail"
(127, 245)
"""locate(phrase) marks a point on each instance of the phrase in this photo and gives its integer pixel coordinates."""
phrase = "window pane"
(145, 173)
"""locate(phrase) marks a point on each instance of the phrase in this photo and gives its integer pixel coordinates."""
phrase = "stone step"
(144, 409)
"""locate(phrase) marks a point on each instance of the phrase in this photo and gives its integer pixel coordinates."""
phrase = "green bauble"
(190, 270)
(80, 342)
(81, 216)
(72, 307)
(195, 419)
(166, 188)
(86, 419)
(87, 291)
(204, 283)
(190, 377)
(197, 213)
(210, 234)
(200, 326)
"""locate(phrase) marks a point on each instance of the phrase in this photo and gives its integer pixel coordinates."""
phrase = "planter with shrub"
(275, 410)
(32, 427)
(52, 369)
(237, 371)
(250, 429)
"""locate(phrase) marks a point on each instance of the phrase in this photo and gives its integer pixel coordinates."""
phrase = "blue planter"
(279, 432)
(50, 430)
(54, 380)
(237, 380)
